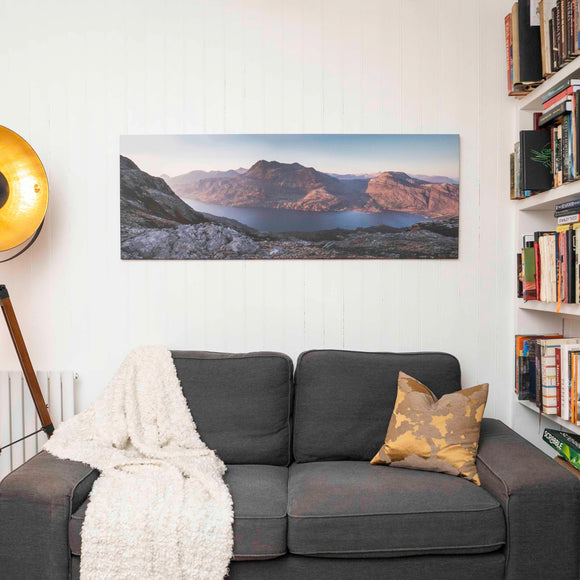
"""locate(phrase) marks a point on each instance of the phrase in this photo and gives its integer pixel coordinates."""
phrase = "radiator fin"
(18, 416)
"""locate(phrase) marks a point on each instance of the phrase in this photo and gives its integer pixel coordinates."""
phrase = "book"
(508, 50)
(568, 205)
(566, 444)
(535, 160)
(519, 276)
(512, 176)
(576, 134)
(529, 274)
(562, 96)
(522, 355)
(556, 111)
(543, 36)
(517, 188)
(569, 219)
(546, 387)
(530, 53)
(547, 250)
(537, 236)
(577, 265)
(565, 212)
(558, 360)
(566, 162)
(558, 30)
(571, 266)
(568, 346)
(515, 46)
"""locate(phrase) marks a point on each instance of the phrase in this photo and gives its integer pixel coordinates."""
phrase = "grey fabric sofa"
(307, 503)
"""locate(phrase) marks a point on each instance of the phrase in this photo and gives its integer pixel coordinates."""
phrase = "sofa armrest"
(36, 502)
(541, 502)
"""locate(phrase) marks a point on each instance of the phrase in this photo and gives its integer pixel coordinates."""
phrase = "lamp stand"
(25, 363)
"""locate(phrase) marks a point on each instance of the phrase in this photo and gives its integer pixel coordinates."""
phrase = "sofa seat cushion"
(260, 495)
(351, 508)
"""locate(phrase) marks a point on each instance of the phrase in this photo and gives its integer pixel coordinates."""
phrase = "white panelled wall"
(78, 74)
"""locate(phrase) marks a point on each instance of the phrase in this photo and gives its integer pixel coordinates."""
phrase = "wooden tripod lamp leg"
(24, 359)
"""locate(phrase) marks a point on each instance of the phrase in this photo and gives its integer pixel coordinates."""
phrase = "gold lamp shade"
(23, 190)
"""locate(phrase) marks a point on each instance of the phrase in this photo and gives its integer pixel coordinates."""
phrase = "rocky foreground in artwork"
(157, 224)
(270, 184)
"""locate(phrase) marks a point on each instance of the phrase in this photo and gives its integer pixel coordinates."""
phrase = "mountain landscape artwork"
(264, 197)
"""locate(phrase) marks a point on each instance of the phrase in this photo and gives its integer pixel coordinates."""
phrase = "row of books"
(541, 37)
(549, 155)
(548, 372)
(548, 267)
(566, 444)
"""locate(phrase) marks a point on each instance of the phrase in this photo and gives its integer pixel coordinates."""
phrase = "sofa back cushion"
(240, 403)
(344, 399)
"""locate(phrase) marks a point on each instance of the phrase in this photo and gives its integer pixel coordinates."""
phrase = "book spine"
(555, 112)
(566, 390)
(530, 55)
(569, 31)
(577, 266)
(568, 205)
(574, 401)
(559, 33)
(566, 212)
(508, 50)
(576, 118)
(543, 37)
(573, 139)
(554, 38)
(517, 180)
(571, 265)
(554, 100)
(512, 176)
(558, 385)
(538, 273)
(559, 165)
(566, 149)
(564, 11)
(569, 219)
(577, 25)
(553, 145)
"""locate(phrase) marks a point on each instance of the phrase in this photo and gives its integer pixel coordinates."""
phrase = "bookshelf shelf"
(547, 200)
(533, 100)
(553, 418)
(565, 309)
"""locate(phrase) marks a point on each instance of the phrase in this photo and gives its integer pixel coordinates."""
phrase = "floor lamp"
(23, 203)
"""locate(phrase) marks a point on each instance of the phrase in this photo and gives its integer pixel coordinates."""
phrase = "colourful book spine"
(558, 385)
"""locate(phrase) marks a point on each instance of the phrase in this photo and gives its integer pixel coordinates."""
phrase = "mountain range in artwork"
(270, 209)
(292, 186)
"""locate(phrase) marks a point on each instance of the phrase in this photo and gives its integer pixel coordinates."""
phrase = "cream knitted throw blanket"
(160, 508)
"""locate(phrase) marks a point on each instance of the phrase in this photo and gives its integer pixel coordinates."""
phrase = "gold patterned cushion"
(434, 435)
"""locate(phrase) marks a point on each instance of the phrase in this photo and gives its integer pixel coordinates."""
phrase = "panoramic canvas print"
(264, 197)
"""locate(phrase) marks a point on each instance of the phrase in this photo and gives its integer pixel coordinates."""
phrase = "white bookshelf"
(532, 214)
(551, 307)
(546, 419)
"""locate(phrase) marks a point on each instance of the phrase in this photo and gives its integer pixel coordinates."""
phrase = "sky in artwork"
(332, 153)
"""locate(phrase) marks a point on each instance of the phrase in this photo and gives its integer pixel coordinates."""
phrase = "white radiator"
(18, 416)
